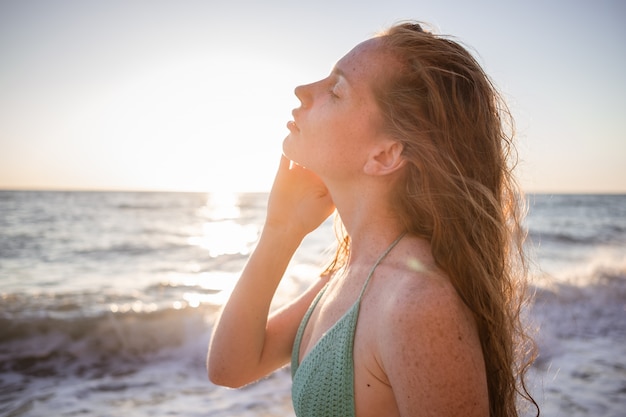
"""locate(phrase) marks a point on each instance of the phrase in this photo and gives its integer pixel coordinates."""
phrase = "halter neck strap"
(379, 260)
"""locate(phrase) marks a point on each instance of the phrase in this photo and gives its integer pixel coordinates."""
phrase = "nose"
(303, 93)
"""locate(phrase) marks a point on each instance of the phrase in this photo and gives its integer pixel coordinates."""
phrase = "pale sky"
(195, 95)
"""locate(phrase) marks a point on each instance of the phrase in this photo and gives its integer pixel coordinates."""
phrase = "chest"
(339, 306)
(339, 350)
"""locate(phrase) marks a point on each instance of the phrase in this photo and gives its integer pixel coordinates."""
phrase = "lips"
(292, 125)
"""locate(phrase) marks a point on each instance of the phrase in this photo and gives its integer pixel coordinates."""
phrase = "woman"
(418, 313)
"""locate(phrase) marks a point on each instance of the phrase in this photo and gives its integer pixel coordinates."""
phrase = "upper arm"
(238, 364)
(283, 324)
(432, 356)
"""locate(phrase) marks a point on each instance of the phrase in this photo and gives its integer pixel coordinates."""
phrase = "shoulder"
(428, 344)
(418, 292)
(423, 302)
(414, 292)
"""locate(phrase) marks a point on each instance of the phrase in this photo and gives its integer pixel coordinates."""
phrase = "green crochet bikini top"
(323, 384)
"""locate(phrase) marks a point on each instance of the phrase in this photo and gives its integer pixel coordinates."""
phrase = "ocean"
(107, 301)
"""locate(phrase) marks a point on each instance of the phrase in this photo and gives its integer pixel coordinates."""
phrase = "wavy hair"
(459, 193)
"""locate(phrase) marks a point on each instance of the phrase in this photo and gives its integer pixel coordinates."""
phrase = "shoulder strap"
(378, 261)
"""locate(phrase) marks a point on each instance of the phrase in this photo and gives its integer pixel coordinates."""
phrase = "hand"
(299, 201)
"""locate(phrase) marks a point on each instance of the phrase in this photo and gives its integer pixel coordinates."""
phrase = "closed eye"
(334, 81)
(334, 90)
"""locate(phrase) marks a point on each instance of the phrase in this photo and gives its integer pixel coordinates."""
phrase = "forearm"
(236, 353)
(244, 347)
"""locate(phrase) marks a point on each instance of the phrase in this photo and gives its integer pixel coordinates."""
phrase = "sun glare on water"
(222, 234)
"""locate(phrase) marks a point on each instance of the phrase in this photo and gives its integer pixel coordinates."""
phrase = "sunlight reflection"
(193, 299)
(136, 306)
(213, 281)
(221, 206)
(216, 288)
(225, 238)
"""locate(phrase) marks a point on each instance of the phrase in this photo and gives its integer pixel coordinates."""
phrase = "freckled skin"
(325, 142)
(416, 348)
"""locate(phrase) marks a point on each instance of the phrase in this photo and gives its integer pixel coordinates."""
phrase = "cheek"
(333, 121)
(335, 134)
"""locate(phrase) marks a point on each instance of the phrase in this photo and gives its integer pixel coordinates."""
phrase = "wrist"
(282, 236)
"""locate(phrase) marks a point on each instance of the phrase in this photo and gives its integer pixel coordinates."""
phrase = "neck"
(369, 219)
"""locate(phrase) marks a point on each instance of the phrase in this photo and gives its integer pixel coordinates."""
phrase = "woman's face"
(338, 118)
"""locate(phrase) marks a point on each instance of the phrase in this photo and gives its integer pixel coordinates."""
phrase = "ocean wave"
(20, 245)
(129, 249)
(612, 234)
(139, 207)
(37, 248)
(101, 344)
(590, 303)
(69, 303)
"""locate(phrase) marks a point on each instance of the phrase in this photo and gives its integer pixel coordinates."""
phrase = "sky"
(195, 95)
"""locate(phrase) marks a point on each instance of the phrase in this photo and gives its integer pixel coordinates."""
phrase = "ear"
(385, 158)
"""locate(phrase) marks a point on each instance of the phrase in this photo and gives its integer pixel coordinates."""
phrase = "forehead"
(364, 63)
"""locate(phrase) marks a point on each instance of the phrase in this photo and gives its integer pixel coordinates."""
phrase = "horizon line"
(248, 191)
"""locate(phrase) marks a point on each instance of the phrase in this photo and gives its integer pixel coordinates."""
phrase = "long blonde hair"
(459, 192)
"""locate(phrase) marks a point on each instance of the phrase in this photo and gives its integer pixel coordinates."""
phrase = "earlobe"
(385, 159)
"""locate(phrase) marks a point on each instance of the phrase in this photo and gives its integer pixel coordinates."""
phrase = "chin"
(288, 150)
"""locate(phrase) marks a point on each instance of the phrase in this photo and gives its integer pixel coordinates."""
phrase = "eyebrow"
(338, 71)
(341, 73)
